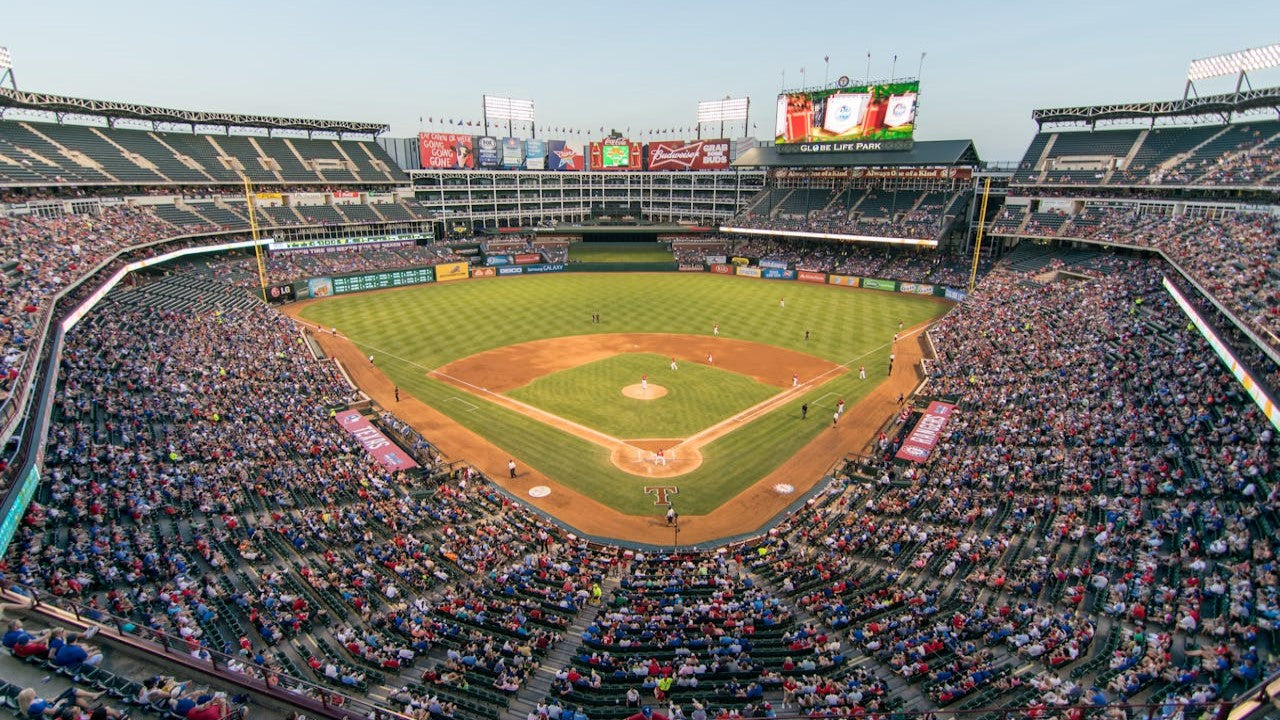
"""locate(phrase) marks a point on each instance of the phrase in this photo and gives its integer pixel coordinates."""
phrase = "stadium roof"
(923, 152)
(64, 105)
(1225, 105)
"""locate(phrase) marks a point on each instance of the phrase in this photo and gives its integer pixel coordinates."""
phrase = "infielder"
(795, 380)
(673, 364)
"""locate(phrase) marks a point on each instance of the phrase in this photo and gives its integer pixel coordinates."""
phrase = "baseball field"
(519, 367)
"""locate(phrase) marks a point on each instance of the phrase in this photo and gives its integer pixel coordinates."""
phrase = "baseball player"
(370, 361)
(644, 383)
(862, 372)
(715, 330)
(891, 359)
(840, 407)
(710, 359)
(795, 380)
(660, 458)
(782, 302)
(673, 364)
(835, 418)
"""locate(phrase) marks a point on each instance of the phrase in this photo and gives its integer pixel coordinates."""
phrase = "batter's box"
(469, 407)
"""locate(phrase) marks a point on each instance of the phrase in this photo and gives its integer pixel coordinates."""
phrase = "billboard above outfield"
(562, 156)
(446, 150)
(858, 118)
(616, 154)
(691, 155)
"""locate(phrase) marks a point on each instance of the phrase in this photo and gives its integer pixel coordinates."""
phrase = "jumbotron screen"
(858, 117)
(615, 156)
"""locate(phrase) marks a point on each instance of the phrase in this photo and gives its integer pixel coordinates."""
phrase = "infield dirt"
(745, 512)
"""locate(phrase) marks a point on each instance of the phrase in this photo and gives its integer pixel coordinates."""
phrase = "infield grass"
(697, 396)
(620, 252)
(413, 330)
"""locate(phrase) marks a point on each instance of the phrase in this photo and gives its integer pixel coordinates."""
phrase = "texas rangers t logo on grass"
(662, 493)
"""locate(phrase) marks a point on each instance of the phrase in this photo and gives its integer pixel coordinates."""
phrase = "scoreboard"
(380, 280)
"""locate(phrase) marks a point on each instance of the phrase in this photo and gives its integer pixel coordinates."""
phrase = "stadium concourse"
(1094, 534)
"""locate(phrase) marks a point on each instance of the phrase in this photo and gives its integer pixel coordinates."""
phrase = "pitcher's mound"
(653, 392)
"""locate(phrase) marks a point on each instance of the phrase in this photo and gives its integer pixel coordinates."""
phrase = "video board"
(616, 154)
(856, 118)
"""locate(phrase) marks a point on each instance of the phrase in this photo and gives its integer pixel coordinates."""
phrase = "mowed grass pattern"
(413, 330)
(621, 252)
(697, 396)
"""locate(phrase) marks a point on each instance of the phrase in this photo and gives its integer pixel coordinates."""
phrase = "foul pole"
(253, 230)
(982, 224)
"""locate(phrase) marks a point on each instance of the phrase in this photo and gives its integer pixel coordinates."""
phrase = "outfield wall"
(327, 286)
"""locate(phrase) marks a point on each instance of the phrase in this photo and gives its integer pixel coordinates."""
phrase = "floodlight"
(1235, 63)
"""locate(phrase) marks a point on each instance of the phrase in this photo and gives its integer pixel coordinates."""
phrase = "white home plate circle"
(784, 488)
(539, 491)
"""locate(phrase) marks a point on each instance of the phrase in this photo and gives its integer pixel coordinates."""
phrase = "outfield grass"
(413, 330)
(697, 396)
(620, 252)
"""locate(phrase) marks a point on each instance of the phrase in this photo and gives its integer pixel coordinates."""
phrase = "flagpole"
(920, 69)
(868, 69)
(893, 67)
(826, 70)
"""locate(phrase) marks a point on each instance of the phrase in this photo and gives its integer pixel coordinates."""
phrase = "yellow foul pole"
(253, 230)
(982, 224)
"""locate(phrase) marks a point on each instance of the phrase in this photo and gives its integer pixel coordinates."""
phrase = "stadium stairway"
(561, 656)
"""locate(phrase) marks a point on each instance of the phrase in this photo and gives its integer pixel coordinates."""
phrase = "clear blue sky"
(642, 65)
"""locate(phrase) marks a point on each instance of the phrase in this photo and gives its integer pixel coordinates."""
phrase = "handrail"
(256, 678)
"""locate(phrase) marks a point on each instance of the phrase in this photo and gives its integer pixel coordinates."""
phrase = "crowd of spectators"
(920, 221)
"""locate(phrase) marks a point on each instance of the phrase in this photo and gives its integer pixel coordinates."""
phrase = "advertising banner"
(452, 271)
(848, 115)
(778, 274)
(512, 153)
(483, 272)
(722, 269)
(562, 157)
(280, 293)
(872, 173)
(716, 259)
(846, 280)
(740, 261)
(488, 152)
(345, 197)
(492, 260)
(925, 435)
(917, 288)
(512, 270)
(689, 267)
(616, 154)
(772, 264)
(954, 294)
(693, 155)
(535, 154)
(388, 454)
(269, 198)
(878, 284)
(745, 271)
(811, 276)
(528, 258)
(544, 268)
(445, 150)
(347, 243)
(320, 287)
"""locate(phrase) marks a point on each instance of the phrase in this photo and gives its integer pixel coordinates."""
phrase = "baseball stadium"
(502, 419)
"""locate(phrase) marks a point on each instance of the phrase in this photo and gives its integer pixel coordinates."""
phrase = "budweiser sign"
(696, 155)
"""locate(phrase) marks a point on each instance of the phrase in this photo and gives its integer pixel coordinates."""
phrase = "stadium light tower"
(509, 109)
(6, 68)
(1236, 63)
(710, 111)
